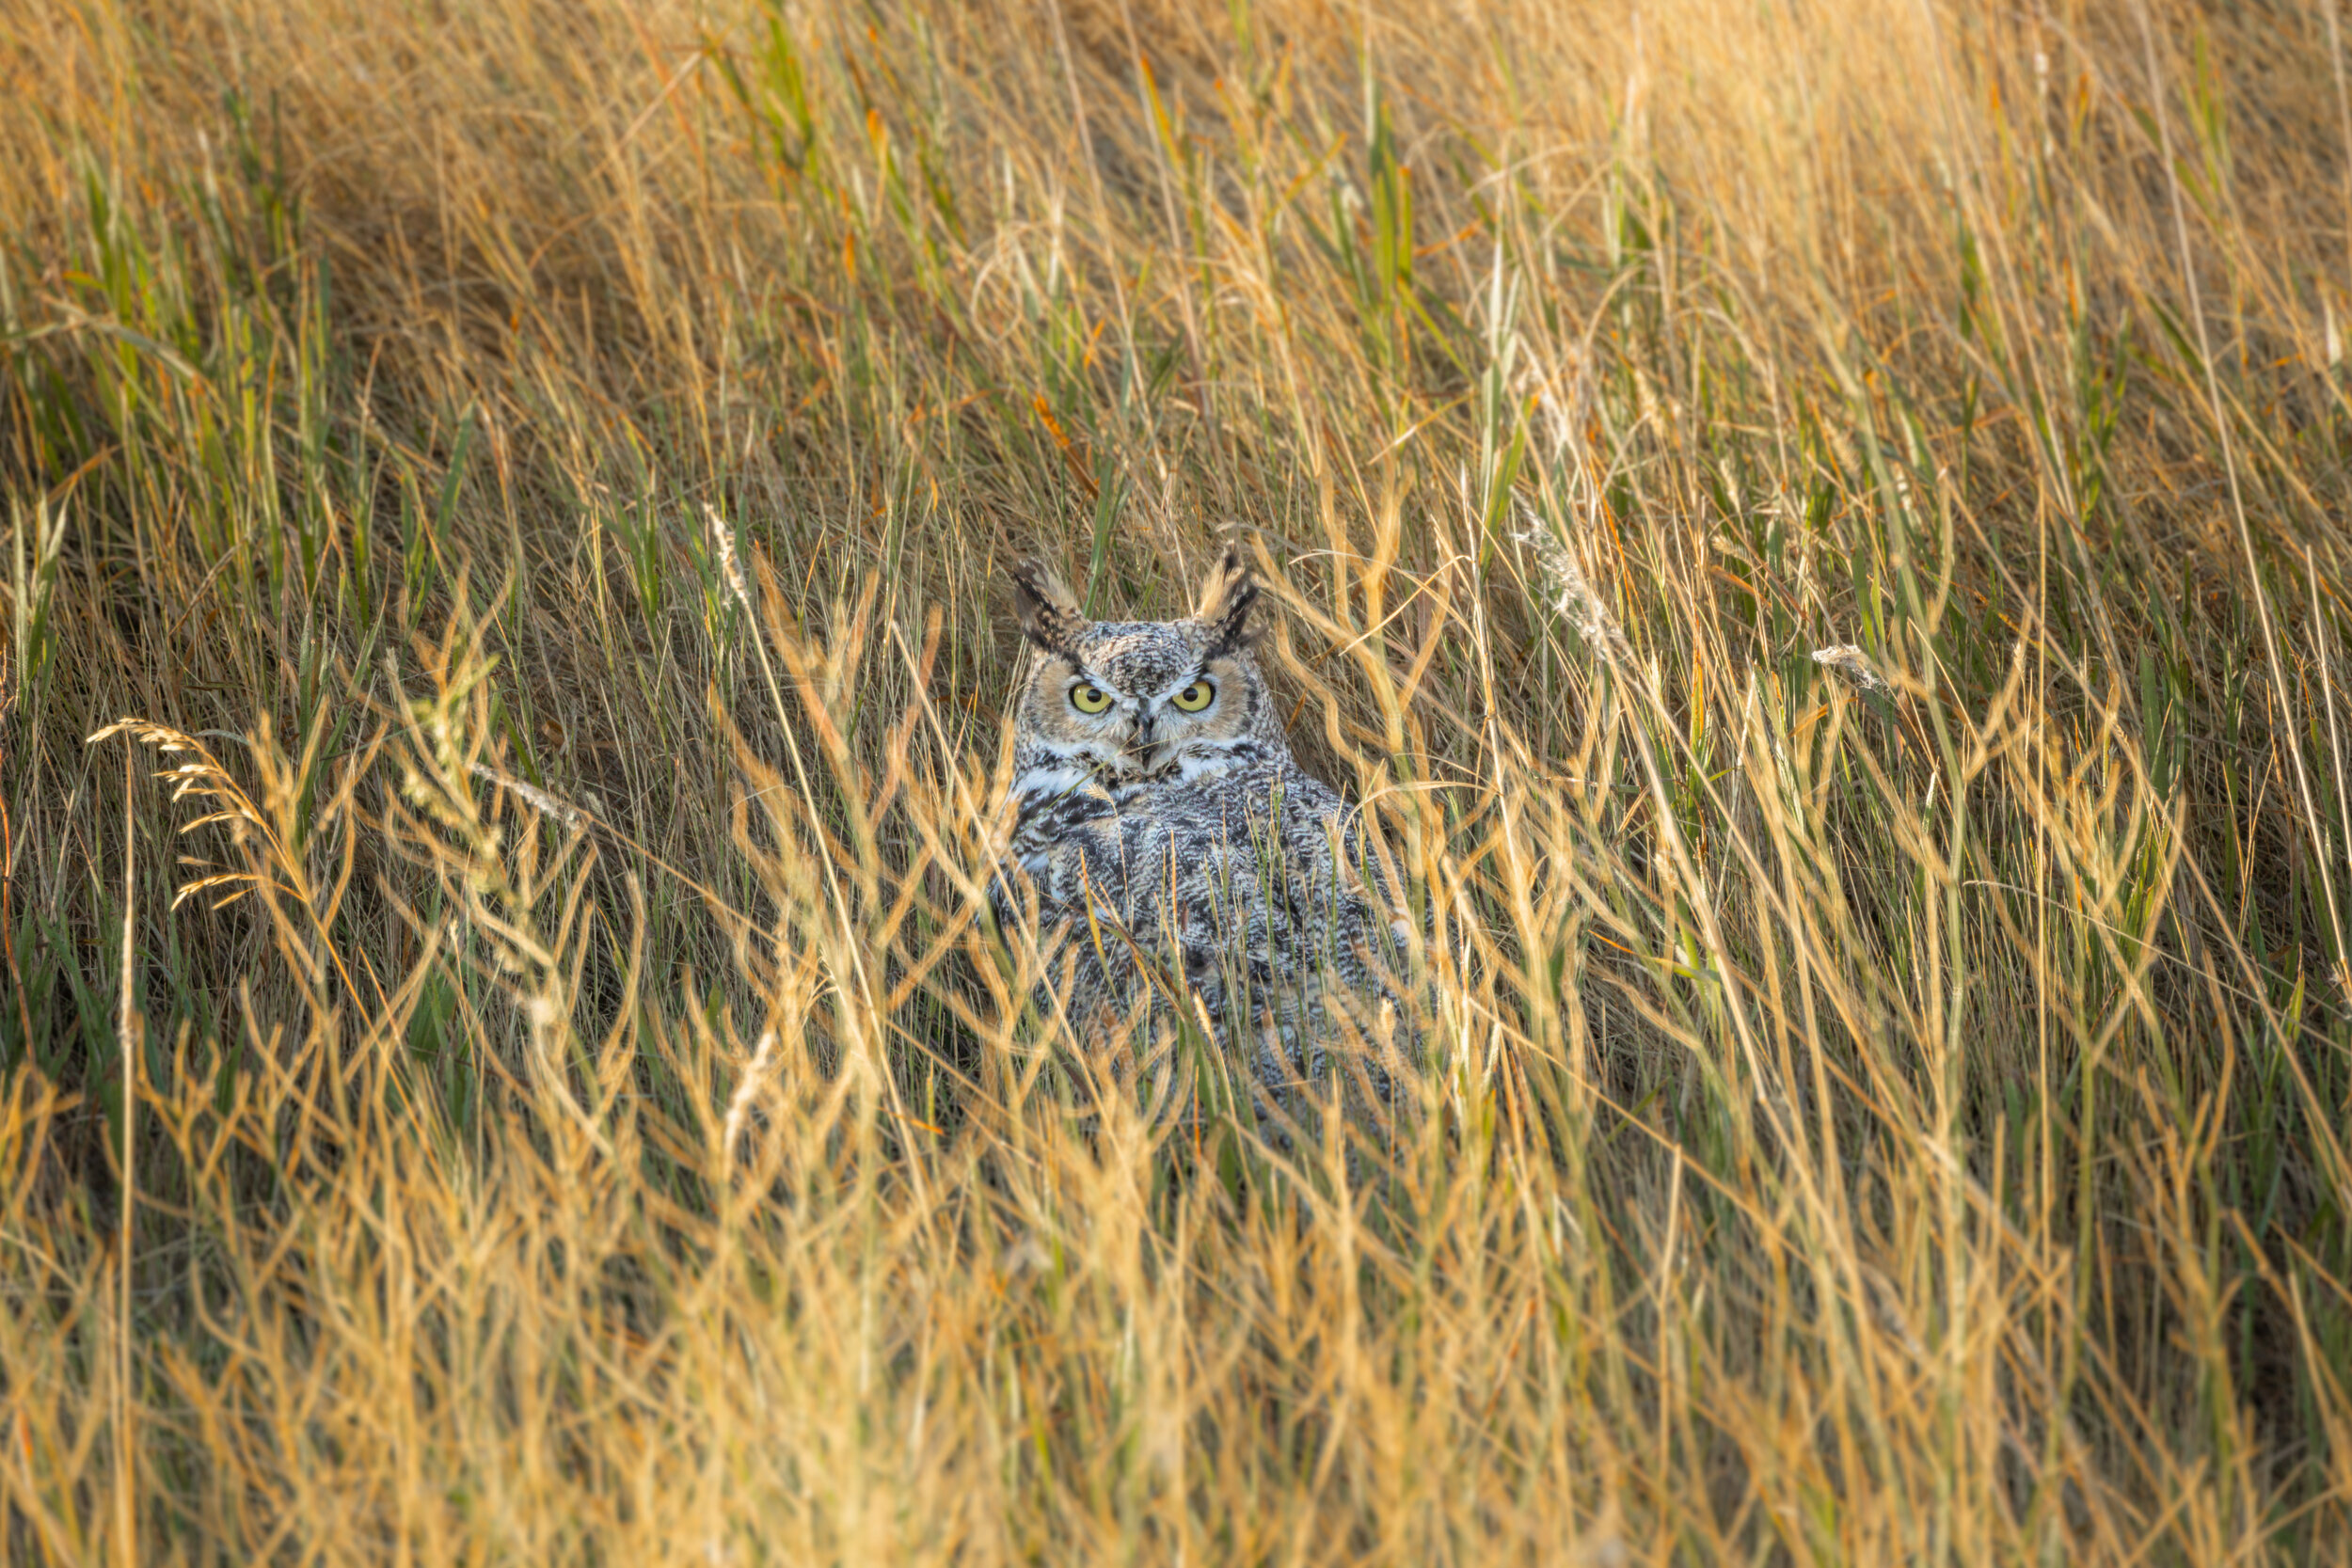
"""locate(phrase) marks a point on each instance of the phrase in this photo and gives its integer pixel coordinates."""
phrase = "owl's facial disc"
(1129, 703)
(1192, 722)
(1095, 727)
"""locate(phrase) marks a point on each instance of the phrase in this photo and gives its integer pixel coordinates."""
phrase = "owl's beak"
(1143, 739)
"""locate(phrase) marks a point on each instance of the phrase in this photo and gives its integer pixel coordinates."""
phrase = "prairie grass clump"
(1817, 530)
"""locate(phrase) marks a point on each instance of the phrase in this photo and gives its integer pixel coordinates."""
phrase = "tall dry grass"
(501, 735)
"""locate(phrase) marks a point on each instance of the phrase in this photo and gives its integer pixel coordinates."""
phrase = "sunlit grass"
(1816, 528)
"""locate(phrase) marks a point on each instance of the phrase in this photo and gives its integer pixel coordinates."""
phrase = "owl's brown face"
(1136, 701)
(1121, 702)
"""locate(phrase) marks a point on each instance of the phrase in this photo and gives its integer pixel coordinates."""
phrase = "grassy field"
(507, 508)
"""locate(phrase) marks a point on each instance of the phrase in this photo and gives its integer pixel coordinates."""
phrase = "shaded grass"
(538, 477)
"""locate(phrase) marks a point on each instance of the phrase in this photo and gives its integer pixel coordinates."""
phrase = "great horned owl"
(1182, 862)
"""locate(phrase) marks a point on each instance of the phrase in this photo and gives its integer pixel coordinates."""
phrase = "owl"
(1183, 864)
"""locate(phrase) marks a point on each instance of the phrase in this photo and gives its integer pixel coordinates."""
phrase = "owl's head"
(1126, 702)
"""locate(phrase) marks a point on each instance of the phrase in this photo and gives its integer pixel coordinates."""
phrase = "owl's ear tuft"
(1050, 617)
(1229, 603)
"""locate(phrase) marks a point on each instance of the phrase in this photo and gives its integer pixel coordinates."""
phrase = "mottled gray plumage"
(1182, 862)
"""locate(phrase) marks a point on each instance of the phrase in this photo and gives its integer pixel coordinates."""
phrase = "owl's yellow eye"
(1090, 699)
(1192, 698)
